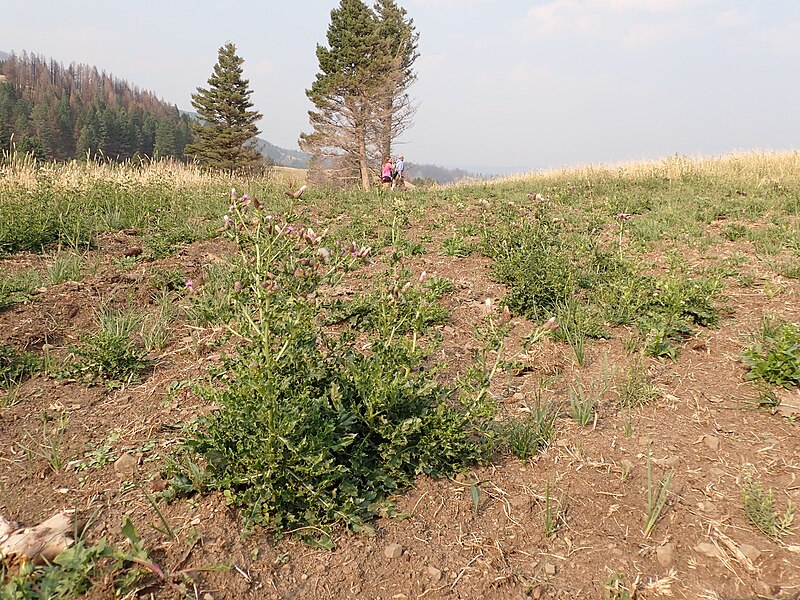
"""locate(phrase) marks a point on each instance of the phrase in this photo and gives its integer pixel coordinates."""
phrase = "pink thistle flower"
(237, 287)
(228, 221)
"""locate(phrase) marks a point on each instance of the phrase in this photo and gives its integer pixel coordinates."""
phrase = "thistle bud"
(237, 287)
(324, 254)
(506, 314)
(234, 195)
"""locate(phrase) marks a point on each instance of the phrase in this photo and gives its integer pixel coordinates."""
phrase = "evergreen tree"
(400, 39)
(227, 122)
(359, 93)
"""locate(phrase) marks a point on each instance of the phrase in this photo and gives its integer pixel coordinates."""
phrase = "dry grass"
(763, 165)
(26, 172)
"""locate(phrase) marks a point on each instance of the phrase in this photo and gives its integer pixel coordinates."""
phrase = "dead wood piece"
(38, 544)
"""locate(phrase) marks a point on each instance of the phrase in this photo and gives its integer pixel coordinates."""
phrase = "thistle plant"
(311, 428)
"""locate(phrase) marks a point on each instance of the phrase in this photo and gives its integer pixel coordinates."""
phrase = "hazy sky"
(502, 83)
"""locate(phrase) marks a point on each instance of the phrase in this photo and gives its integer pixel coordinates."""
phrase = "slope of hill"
(59, 112)
(282, 156)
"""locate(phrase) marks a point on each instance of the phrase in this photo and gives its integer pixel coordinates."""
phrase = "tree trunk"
(363, 160)
(38, 544)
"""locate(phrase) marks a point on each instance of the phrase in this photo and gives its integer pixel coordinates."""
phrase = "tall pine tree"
(343, 93)
(359, 94)
(227, 122)
(399, 38)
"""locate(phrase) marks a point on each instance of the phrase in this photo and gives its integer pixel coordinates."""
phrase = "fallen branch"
(39, 544)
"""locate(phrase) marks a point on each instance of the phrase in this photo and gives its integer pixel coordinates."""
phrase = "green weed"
(657, 496)
(774, 356)
(111, 354)
(457, 246)
(759, 507)
(636, 389)
(16, 366)
(310, 428)
(526, 437)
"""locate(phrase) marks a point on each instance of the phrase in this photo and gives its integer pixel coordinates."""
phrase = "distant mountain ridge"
(299, 160)
(4, 55)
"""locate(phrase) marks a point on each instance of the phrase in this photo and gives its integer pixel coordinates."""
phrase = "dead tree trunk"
(38, 544)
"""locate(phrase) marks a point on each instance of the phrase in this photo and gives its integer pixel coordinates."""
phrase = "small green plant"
(636, 389)
(581, 405)
(111, 354)
(439, 286)
(48, 444)
(167, 279)
(774, 356)
(734, 231)
(457, 246)
(526, 437)
(583, 400)
(657, 496)
(66, 266)
(553, 512)
(17, 287)
(759, 507)
(16, 366)
(617, 588)
(155, 326)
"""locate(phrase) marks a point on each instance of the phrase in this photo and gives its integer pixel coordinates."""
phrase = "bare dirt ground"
(450, 546)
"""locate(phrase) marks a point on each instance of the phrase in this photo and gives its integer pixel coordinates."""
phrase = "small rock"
(158, 485)
(400, 597)
(550, 569)
(537, 593)
(665, 554)
(208, 596)
(716, 472)
(134, 251)
(645, 441)
(519, 396)
(709, 550)
(126, 463)
(711, 441)
(393, 551)
(751, 552)
(673, 461)
(435, 574)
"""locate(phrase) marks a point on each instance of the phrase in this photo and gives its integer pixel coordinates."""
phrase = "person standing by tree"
(227, 122)
(360, 93)
(386, 172)
(399, 171)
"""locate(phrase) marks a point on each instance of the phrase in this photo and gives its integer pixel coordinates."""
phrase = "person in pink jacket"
(386, 172)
